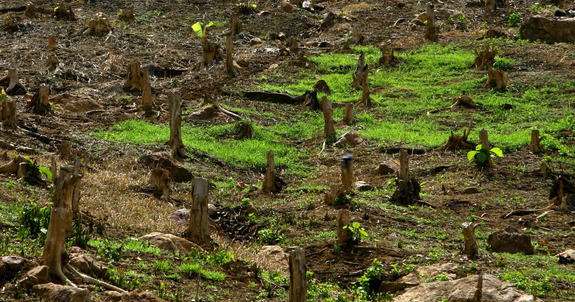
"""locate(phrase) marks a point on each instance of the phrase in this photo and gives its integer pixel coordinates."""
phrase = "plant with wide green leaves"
(481, 155)
(357, 232)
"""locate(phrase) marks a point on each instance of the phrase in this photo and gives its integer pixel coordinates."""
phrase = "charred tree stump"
(534, 145)
(360, 74)
(127, 14)
(485, 59)
(52, 63)
(11, 83)
(348, 116)
(457, 142)
(61, 218)
(270, 185)
(298, 282)
(235, 25)
(147, 98)
(51, 43)
(387, 56)
(63, 12)
(211, 51)
(484, 141)
(40, 104)
(431, 31)
(13, 166)
(100, 26)
(347, 172)
(471, 248)
(489, 6)
(329, 128)
(229, 59)
(175, 143)
(160, 182)
(344, 236)
(497, 79)
(134, 77)
(9, 114)
(408, 189)
(198, 231)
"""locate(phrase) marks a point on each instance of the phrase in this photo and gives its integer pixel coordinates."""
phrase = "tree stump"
(40, 104)
(269, 185)
(9, 114)
(63, 12)
(100, 26)
(127, 14)
(235, 25)
(360, 74)
(387, 56)
(333, 193)
(298, 282)
(484, 141)
(52, 63)
(147, 98)
(408, 189)
(51, 43)
(65, 185)
(431, 31)
(13, 166)
(344, 236)
(229, 59)
(356, 36)
(198, 231)
(244, 130)
(457, 142)
(329, 128)
(321, 86)
(160, 182)
(9, 23)
(497, 79)
(211, 51)
(31, 11)
(291, 47)
(348, 116)
(489, 6)
(11, 83)
(485, 59)
(365, 95)
(175, 143)
(561, 188)
(471, 248)
(65, 150)
(534, 145)
(347, 172)
(134, 77)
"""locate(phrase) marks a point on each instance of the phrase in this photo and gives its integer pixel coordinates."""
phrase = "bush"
(34, 221)
(267, 236)
(514, 20)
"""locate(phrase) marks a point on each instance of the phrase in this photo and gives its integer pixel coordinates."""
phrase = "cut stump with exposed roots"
(11, 84)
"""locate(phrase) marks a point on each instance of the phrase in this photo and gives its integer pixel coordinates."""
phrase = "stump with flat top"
(198, 223)
(298, 282)
(11, 83)
(431, 31)
(175, 143)
(40, 104)
(328, 128)
(344, 236)
(471, 249)
(133, 77)
(408, 189)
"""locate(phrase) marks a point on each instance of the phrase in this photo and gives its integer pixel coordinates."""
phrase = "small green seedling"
(200, 30)
(3, 95)
(481, 155)
(357, 233)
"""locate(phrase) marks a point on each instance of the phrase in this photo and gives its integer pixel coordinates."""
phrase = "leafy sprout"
(481, 154)
(199, 30)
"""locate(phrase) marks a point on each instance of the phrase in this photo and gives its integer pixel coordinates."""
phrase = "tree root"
(90, 280)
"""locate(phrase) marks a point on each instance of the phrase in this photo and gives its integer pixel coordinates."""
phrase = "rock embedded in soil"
(565, 257)
(13, 263)
(510, 241)
(59, 293)
(350, 138)
(388, 167)
(35, 276)
(363, 186)
(465, 289)
(177, 172)
(471, 190)
(139, 295)
(548, 29)
(273, 254)
(171, 242)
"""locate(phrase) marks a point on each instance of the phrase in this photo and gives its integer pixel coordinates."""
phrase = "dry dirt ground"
(88, 85)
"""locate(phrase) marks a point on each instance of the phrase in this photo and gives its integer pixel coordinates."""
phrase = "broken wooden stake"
(344, 236)
(534, 145)
(360, 74)
(347, 172)
(298, 282)
(235, 25)
(51, 43)
(40, 102)
(147, 100)
(100, 26)
(8, 114)
(269, 185)
(431, 31)
(485, 59)
(329, 128)
(160, 182)
(198, 231)
(348, 116)
(11, 83)
(229, 65)
(175, 143)
(134, 77)
(408, 189)
(496, 78)
(471, 249)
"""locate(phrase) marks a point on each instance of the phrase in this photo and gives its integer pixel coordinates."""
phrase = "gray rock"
(511, 241)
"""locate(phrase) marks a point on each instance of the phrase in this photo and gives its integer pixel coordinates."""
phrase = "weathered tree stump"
(347, 172)
(489, 6)
(311, 101)
(211, 51)
(471, 248)
(51, 43)
(160, 182)
(9, 114)
(31, 11)
(65, 150)
(61, 218)
(484, 141)
(329, 128)
(63, 12)
(9, 23)
(321, 86)
(348, 116)
(544, 170)
(147, 100)
(356, 36)
(53, 63)
(134, 77)
(269, 185)
(298, 282)
(457, 142)
(408, 189)
(485, 59)
(244, 130)
(291, 46)
(344, 236)
(229, 65)
(127, 14)
(11, 83)
(100, 26)
(431, 31)
(365, 94)
(360, 74)
(497, 79)
(235, 25)
(175, 143)
(13, 166)
(387, 56)
(198, 231)
(534, 145)
(40, 104)
(561, 188)
(333, 193)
